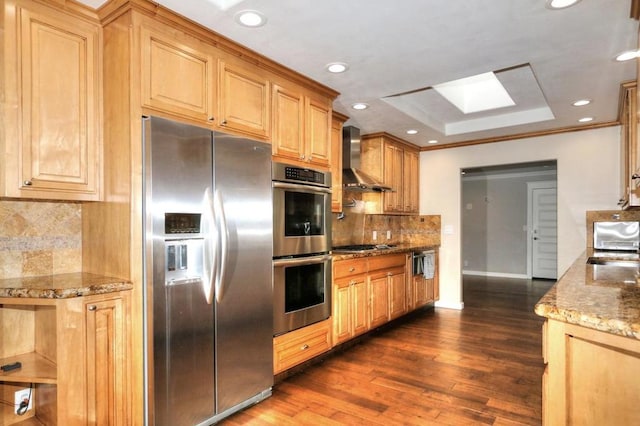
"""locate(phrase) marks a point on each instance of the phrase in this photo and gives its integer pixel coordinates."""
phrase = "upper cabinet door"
(317, 132)
(288, 124)
(177, 75)
(244, 101)
(53, 114)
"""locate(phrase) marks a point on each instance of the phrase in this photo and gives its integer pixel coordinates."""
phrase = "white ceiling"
(393, 47)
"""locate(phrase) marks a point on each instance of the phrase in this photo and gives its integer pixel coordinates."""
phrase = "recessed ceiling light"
(432, 141)
(360, 106)
(560, 4)
(585, 119)
(250, 18)
(627, 56)
(582, 102)
(412, 132)
(336, 67)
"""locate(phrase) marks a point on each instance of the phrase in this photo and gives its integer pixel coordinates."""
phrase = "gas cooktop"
(359, 248)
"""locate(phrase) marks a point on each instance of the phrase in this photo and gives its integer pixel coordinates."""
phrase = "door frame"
(545, 184)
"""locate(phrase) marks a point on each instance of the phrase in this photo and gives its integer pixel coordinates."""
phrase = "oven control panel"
(288, 173)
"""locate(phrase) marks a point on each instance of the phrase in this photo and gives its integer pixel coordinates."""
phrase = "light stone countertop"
(62, 286)
(602, 298)
(399, 248)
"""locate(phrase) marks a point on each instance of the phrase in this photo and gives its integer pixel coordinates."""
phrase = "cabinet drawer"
(386, 261)
(301, 345)
(348, 268)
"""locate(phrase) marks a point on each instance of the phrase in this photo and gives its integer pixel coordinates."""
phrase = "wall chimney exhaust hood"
(354, 179)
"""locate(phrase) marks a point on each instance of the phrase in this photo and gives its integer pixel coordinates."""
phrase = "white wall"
(588, 176)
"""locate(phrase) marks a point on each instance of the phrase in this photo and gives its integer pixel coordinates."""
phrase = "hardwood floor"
(481, 365)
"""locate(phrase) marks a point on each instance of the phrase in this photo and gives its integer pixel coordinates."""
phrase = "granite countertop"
(604, 298)
(399, 248)
(62, 286)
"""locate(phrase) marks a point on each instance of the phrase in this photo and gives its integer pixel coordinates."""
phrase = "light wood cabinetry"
(396, 163)
(51, 140)
(244, 100)
(581, 385)
(349, 299)
(425, 290)
(387, 288)
(301, 127)
(295, 347)
(629, 149)
(113, 230)
(337, 123)
(178, 74)
(74, 353)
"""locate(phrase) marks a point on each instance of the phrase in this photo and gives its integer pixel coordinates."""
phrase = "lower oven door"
(302, 292)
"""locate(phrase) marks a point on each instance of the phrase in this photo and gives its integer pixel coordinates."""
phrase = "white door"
(544, 248)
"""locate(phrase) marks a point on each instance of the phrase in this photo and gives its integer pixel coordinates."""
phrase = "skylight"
(482, 92)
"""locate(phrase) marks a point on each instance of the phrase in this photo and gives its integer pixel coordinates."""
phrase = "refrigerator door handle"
(223, 236)
(210, 261)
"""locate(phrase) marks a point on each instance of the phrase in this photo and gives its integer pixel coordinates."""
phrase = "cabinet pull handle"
(304, 347)
(92, 307)
(635, 176)
(27, 183)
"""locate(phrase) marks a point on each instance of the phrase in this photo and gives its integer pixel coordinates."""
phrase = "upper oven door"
(301, 219)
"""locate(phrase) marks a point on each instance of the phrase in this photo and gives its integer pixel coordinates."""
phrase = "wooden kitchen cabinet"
(395, 163)
(349, 299)
(629, 149)
(337, 123)
(425, 290)
(52, 90)
(74, 353)
(178, 74)
(298, 346)
(244, 100)
(580, 385)
(387, 288)
(301, 127)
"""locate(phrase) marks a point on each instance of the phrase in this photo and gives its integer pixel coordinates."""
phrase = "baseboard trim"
(448, 305)
(495, 274)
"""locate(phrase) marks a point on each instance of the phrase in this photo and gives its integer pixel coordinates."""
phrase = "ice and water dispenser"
(184, 249)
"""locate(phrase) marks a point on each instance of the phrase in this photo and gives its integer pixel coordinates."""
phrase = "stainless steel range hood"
(354, 179)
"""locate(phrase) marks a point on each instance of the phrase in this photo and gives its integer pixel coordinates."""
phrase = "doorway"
(498, 220)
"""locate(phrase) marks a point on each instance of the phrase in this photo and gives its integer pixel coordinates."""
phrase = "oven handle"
(304, 188)
(299, 261)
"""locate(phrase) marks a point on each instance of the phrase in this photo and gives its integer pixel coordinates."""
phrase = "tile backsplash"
(39, 238)
(357, 227)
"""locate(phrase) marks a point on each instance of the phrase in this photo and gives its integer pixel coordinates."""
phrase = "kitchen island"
(591, 346)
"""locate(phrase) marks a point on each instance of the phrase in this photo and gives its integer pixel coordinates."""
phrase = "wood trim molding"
(521, 136)
(391, 137)
(635, 9)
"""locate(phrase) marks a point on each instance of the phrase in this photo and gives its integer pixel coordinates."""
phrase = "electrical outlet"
(20, 396)
(374, 236)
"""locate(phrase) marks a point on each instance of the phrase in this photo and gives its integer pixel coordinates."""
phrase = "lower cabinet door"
(106, 355)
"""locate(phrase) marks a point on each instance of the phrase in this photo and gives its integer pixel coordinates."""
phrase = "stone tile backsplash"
(357, 228)
(39, 238)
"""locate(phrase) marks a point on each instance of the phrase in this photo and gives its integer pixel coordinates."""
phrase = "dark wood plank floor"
(481, 365)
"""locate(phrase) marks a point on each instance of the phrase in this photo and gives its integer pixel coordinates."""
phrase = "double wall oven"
(301, 244)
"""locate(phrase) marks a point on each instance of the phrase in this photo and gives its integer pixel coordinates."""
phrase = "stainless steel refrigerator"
(208, 272)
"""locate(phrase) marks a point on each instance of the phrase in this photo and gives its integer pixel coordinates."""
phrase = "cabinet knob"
(211, 118)
(352, 282)
(389, 274)
(302, 157)
(304, 347)
(27, 183)
(352, 269)
(223, 123)
(92, 307)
